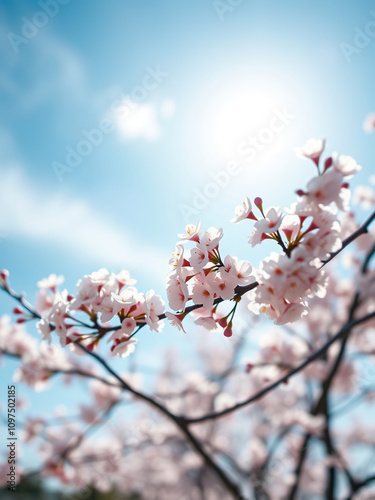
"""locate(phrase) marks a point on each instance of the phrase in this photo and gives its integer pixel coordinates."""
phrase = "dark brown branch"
(316, 355)
(180, 422)
(361, 230)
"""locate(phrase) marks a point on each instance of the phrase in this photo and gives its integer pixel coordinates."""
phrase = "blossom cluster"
(39, 361)
(100, 295)
(307, 234)
(203, 277)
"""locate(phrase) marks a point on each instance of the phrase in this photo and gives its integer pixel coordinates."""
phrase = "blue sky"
(223, 79)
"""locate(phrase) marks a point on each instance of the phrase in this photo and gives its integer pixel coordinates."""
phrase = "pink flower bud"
(222, 322)
(327, 163)
(17, 310)
(4, 274)
(258, 202)
(228, 332)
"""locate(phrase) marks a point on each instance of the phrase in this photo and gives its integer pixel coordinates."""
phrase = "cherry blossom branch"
(81, 437)
(321, 405)
(316, 355)
(361, 230)
(180, 422)
(239, 290)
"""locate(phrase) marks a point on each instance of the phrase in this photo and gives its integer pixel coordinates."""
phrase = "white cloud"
(72, 224)
(143, 121)
(140, 123)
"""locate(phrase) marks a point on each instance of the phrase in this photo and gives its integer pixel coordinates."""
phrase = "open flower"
(312, 149)
(345, 164)
(192, 232)
(124, 346)
(268, 225)
(203, 295)
(243, 211)
(176, 320)
(212, 237)
(52, 282)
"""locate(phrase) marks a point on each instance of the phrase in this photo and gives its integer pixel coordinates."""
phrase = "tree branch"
(316, 355)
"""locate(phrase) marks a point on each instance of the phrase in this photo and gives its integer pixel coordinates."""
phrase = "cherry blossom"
(344, 164)
(369, 123)
(243, 211)
(123, 346)
(52, 282)
(312, 149)
(153, 307)
(176, 320)
(192, 232)
(203, 294)
(268, 225)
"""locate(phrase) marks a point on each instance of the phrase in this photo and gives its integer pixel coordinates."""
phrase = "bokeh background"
(182, 86)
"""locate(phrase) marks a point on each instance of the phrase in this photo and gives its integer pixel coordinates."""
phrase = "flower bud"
(328, 163)
(228, 332)
(222, 322)
(258, 202)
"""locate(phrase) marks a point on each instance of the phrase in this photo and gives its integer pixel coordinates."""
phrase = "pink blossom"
(211, 238)
(365, 196)
(344, 164)
(268, 225)
(239, 270)
(327, 188)
(203, 295)
(124, 279)
(128, 326)
(124, 346)
(52, 282)
(199, 257)
(369, 123)
(178, 294)
(176, 320)
(312, 149)
(243, 211)
(153, 307)
(177, 259)
(192, 232)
